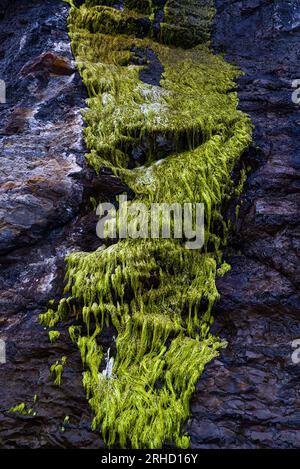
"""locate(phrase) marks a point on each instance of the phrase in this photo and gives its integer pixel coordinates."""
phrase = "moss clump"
(187, 23)
(65, 423)
(183, 25)
(22, 409)
(54, 336)
(57, 369)
(156, 293)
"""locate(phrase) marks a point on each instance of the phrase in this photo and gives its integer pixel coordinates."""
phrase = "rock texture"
(249, 397)
(44, 189)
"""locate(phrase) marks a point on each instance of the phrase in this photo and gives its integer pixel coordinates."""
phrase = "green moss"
(65, 423)
(54, 336)
(22, 409)
(156, 293)
(187, 23)
(57, 369)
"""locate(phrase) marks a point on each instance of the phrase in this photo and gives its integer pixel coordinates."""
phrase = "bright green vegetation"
(65, 423)
(54, 336)
(22, 409)
(156, 293)
(57, 369)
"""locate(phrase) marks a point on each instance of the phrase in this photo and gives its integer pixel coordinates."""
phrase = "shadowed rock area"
(247, 398)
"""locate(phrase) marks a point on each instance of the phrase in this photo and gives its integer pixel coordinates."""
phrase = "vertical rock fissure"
(157, 294)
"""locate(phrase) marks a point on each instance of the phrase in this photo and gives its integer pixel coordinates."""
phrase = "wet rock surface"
(44, 214)
(247, 398)
(250, 397)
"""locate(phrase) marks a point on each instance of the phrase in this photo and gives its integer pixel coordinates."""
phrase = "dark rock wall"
(250, 396)
(43, 191)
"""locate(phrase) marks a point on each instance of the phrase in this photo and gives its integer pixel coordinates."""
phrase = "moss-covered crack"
(157, 294)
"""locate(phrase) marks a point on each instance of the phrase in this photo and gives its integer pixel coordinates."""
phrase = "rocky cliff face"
(249, 397)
